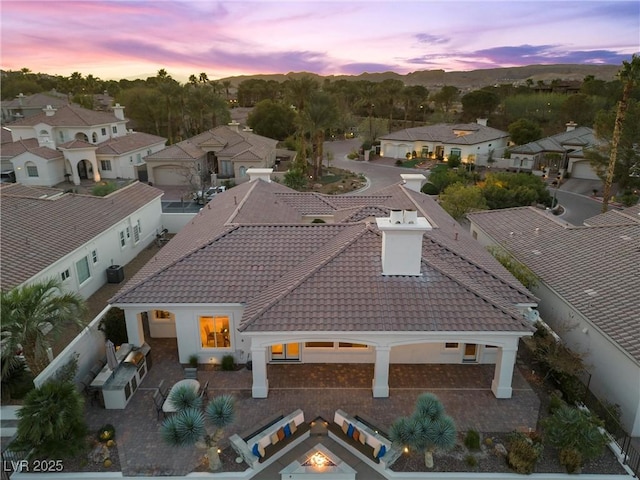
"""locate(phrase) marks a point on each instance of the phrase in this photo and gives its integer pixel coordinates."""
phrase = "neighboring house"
(29, 105)
(566, 149)
(466, 141)
(73, 143)
(388, 277)
(589, 289)
(225, 151)
(75, 238)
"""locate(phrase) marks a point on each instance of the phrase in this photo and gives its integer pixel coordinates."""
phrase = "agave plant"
(427, 429)
(189, 425)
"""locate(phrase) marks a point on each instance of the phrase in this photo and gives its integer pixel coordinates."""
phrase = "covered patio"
(317, 389)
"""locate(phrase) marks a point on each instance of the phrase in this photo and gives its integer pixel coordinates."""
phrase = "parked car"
(203, 197)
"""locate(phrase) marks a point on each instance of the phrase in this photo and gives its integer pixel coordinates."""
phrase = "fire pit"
(319, 461)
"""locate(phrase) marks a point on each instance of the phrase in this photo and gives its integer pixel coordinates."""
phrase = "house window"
(226, 168)
(243, 171)
(351, 345)
(105, 165)
(214, 332)
(128, 233)
(162, 314)
(114, 129)
(136, 234)
(138, 158)
(82, 269)
(94, 137)
(318, 344)
(61, 135)
(94, 256)
(455, 152)
(103, 131)
(65, 275)
(451, 346)
(123, 240)
(32, 170)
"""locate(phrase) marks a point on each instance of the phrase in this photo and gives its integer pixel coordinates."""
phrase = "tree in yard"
(572, 429)
(479, 104)
(427, 429)
(51, 421)
(188, 427)
(33, 316)
(459, 199)
(630, 77)
(524, 131)
(272, 119)
(445, 98)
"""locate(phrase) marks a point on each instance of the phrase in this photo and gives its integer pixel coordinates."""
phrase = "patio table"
(168, 405)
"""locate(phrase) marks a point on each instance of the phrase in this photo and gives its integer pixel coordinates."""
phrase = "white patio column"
(74, 172)
(135, 333)
(96, 171)
(381, 373)
(260, 388)
(501, 384)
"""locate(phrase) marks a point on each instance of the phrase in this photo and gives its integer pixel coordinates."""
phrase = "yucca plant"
(427, 429)
(189, 426)
(185, 397)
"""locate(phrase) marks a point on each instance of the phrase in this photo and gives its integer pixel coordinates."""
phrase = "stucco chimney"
(571, 126)
(49, 111)
(402, 242)
(234, 126)
(260, 174)
(481, 121)
(413, 181)
(20, 98)
(118, 111)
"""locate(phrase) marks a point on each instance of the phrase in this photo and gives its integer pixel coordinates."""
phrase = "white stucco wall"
(50, 172)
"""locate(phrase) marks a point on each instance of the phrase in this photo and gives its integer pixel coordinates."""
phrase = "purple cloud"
(431, 39)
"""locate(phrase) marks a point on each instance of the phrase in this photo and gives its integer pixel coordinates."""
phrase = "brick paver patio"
(317, 389)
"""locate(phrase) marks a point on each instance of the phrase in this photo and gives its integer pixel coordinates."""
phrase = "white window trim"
(82, 282)
(122, 239)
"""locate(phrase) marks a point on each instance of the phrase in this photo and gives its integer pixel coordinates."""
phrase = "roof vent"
(625, 237)
(260, 174)
(591, 292)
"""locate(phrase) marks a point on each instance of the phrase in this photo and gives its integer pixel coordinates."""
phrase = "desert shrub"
(472, 440)
(317, 220)
(571, 459)
(629, 199)
(104, 189)
(106, 432)
(228, 363)
(193, 360)
(523, 453)
(429, 189)
(471, 461)
(555, 402)
(488, 441)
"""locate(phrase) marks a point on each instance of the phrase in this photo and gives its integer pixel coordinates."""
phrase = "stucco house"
(588, 286)
(466, 141)
(225, 151)
(47, 233)
(568, 149)
(29, 105)
(73, 143)
(273, 275)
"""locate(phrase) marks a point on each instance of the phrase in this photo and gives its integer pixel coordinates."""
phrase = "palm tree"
(630, 76)
(188, 426)
(33, 316)
(320, 113)
(427, 429)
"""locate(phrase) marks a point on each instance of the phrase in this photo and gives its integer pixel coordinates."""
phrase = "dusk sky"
(134, 39)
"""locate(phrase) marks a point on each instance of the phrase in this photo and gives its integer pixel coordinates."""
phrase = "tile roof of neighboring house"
(77, 144)
(248, 245)
(448, 133)
(13, 149)
(595, 268)
(37, 100)
(6, 136)
(20, 190)
(69, 116)
(575, 140)
(224, 140)
(627, 216)
(127, 143)
(37, 232)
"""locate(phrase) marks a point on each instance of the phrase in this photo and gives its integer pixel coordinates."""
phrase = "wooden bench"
(266, 444)
(369, 444)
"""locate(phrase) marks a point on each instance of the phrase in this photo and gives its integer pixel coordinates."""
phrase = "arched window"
(32, 169)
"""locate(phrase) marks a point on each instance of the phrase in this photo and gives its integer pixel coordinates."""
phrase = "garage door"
(583, 170)
(169, 175)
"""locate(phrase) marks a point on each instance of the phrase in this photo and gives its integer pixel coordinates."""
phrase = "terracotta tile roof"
(37, 100)
(69, 116)
(127, 143)
(13, 149)
(76, 144)
(595, 269)
(448, 134)
(313, 276)
(6, 136)
(574, 139)
(627, 216)
(38, 232)
(20, 190)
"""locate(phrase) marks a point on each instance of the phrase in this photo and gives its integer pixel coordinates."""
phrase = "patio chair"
(204, 391)
(163, 390)
(97, 367)
(158, 401)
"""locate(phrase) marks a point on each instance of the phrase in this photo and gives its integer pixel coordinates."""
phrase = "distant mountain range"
(462, 80)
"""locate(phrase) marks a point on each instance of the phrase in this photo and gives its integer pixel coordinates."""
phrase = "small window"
(103, 131)
(32, 170)
(138, 158)
(351, 345)
(474, 234)
(94, 137)
(128, 232)
(65, 275)
(61, 135)
(318, 344)
(214, 332)
(451, 346)
(123, 240)
(105, 165)
(82, 269)
(139, 226)
(94, 256)
(490, 346)
(114, 129)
